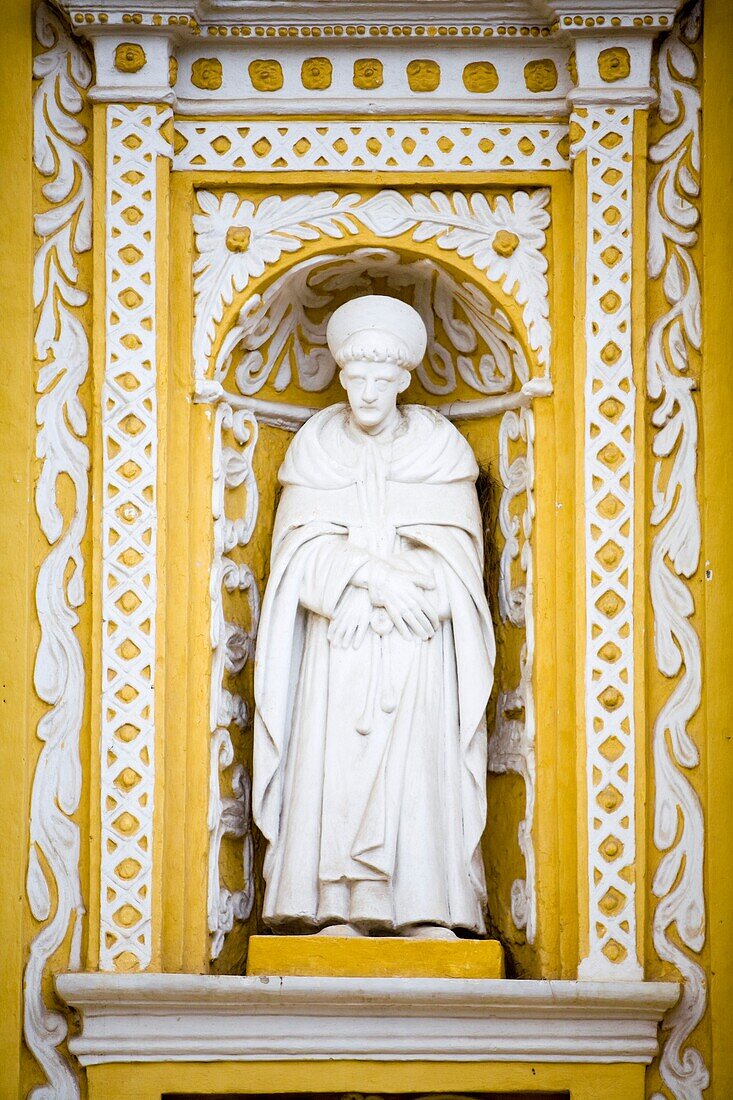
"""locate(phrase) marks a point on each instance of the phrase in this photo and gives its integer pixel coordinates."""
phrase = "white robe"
(381, 828)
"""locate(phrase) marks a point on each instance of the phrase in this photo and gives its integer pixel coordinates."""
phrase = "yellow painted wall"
(17, 527)
(717, 504)
(576, 1082)
(186, 482)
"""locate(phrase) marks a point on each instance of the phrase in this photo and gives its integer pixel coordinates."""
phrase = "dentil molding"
(187, 1017)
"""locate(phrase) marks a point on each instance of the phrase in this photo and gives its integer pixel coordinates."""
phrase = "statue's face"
(372, 390)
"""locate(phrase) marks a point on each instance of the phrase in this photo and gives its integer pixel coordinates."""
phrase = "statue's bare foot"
(339, 930)
(430, 932)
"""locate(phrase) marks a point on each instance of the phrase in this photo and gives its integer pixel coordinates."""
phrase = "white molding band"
(53, 881)
(675, 339)
(129, 530)
(369, 145)
(182, 1017)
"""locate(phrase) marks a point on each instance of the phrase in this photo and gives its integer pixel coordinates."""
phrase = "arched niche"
(270, 369)
(273, 344)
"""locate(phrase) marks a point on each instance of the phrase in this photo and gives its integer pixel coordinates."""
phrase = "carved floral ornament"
(280, 333)
(237, 240)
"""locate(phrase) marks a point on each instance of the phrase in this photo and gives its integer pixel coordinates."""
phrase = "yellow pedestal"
(383, 957)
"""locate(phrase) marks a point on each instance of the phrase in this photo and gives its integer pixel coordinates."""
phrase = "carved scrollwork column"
(608, 129)
(132, 81)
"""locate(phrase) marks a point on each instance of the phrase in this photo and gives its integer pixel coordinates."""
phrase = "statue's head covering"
(377, 329)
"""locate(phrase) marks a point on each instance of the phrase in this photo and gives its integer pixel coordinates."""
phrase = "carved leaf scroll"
(504, 238)
(512, 743)
(285, 340)
(238, 240)
(679, 919)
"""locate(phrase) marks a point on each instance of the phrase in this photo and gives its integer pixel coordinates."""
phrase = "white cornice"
(621, 97)
(213, 57)
(510, 19)
(487, 12)
(182, 1017)
(612, 16)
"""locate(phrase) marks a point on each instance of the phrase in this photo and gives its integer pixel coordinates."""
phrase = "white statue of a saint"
(375, 657)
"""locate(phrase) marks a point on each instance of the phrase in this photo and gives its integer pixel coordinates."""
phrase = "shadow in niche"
(524, 1095)
(488, 490)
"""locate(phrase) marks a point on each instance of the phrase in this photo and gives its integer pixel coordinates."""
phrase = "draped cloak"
(370, 762)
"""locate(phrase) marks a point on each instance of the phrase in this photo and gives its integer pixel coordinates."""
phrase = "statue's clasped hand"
(401, 592)
(385, 594)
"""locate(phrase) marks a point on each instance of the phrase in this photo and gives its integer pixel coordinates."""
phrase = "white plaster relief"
(610, 400)
(62, 351)
(129, 525)
(237, 239)
(285, 341)
(674, 338)
(290, 58)
(512, 744)
(370, 145)
(233, 647)
(504, 239)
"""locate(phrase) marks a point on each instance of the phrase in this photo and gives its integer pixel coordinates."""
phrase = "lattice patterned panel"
(609, 540)
(376, 145)
(129, 427)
